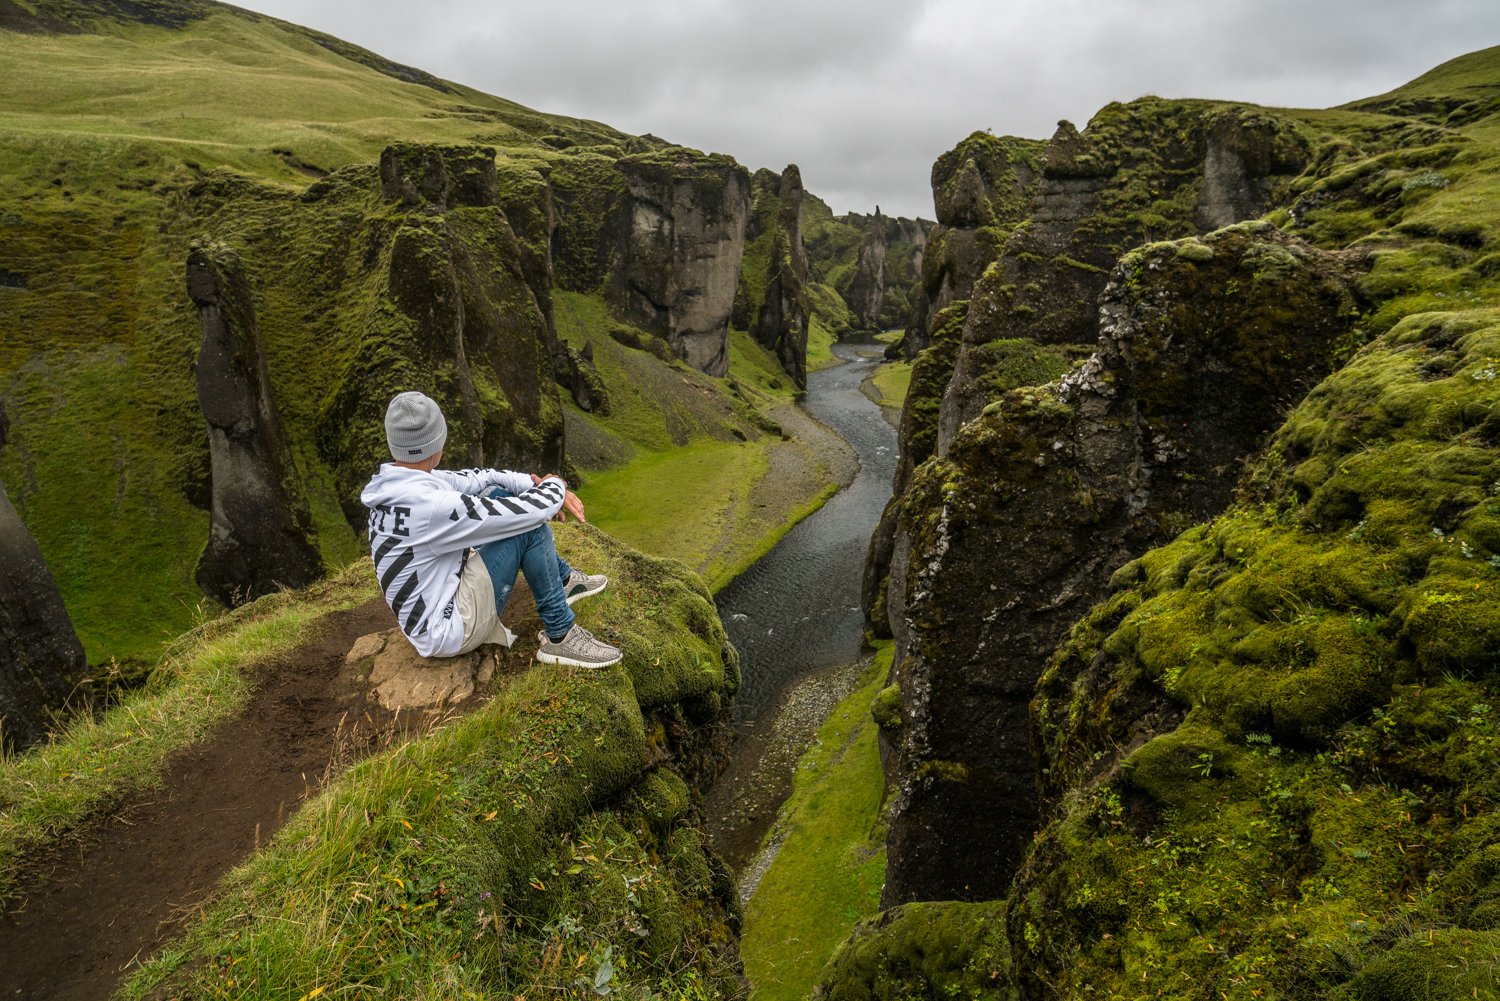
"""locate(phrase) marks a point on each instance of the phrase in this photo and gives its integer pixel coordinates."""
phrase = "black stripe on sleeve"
(511, 505)
(406, 589)
(417, 608)
(385, 548)
(393, 571)
(489, 505)
(469, 506)
(534, 502)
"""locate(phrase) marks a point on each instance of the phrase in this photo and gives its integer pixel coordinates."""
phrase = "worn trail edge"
(103, 901)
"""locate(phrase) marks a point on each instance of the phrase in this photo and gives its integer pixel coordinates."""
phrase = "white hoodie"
(422, 525)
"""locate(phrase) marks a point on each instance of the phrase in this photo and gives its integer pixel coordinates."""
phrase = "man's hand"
(571, 504)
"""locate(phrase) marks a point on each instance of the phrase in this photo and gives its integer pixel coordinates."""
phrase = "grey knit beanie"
(414, 427)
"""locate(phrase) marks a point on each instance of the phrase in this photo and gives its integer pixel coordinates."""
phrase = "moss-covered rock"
(1011, 535)
(924, 952)
(260, 536)
(43, 660)
(982, 188)
(1272, 751)
(782, 319)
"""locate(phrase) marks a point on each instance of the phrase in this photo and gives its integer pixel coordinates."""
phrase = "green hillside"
(131, 130)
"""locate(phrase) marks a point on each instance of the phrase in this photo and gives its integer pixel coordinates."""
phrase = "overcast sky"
(863, 96)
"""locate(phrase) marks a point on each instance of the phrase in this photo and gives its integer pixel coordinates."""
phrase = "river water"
(798, 608)
(795, 615)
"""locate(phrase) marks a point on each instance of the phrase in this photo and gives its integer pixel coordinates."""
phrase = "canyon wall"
(1191, 585)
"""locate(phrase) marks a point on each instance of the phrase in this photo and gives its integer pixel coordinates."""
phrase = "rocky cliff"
(781, 322)
(886, 272)
(1010, 535)
(1026, 239)
(1224, 659)
(41, 660)
(260, 533)
(774, 300)
(662, 230)
(981, 189)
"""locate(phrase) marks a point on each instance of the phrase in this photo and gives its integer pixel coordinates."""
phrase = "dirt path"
(108, 899)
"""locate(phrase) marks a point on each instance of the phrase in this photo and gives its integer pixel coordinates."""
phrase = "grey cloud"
(865, 95)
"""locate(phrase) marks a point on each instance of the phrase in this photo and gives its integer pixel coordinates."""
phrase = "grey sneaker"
(583, 585)
(578, 648)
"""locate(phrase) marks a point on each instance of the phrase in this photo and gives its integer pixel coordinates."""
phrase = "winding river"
(795, 615)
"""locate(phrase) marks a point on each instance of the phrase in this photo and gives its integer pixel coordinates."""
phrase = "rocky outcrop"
(1271, 747)
(782, 320)
(260, 533)
(577, 374)
(981, 189)
(677, 238)
(1137, 174)
(41, 660)
(457, 312)
(1015, 531)
(866, 292)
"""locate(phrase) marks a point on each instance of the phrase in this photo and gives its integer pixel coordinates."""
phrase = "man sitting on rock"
(447, 546)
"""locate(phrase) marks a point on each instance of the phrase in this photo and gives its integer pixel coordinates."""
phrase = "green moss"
(1440, 965)
(930, 373)
(885, 709)
(925, 952)
(1307, 684)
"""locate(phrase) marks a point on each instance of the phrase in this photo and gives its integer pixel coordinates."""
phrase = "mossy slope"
(135, 130)
(538, 843)
(1273, 749)
(541, 834)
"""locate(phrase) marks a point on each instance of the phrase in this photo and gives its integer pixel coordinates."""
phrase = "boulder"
(260, 536)
(399, 678)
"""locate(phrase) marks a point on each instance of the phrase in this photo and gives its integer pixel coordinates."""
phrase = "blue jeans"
(534, 555)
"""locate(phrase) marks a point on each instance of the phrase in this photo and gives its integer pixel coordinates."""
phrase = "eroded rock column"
(261, 534)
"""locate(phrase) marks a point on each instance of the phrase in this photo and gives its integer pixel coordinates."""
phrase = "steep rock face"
(781, 322)
(981, 189)
(866, 292)
(678, 239)
(1009, 537)
(1295, 703)
(260, 534)
(41, 659)
(1138, 173)
(1148, 170)
(459, 316)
